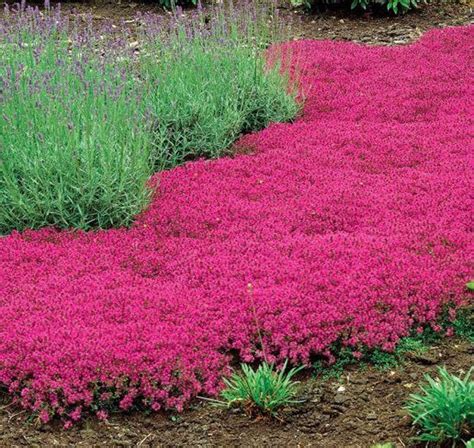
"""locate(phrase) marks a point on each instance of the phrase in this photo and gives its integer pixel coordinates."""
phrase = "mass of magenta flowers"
(351, 225)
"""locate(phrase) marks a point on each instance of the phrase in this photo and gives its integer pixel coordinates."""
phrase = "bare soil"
(374, 28)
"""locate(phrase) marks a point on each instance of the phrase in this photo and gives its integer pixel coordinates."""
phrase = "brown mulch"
(377, 29)
(372, 27)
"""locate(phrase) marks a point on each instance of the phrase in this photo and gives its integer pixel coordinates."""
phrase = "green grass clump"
(263, 389)
(444, 410)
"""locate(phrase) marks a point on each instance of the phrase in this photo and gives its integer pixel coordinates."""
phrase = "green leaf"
(263, 388)
(444, 407)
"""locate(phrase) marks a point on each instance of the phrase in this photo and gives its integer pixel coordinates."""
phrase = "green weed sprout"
(263, 389)
(444, 410)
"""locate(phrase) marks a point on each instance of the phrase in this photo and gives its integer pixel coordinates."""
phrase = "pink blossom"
(76, 414)
(44, 416)
(102, 415)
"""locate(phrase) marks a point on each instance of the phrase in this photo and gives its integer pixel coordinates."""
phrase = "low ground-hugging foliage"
(418, 342)
(380, 359)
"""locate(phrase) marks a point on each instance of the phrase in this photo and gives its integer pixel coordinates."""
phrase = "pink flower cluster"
(352, 224)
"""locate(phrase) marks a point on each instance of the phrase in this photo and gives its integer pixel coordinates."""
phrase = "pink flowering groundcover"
(353, 225)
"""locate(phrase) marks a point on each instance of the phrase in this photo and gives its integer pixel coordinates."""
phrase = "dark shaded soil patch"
(376, 29)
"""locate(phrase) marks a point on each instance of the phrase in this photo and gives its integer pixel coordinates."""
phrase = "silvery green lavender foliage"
(89, 113)
(213, 85)
(75, 145)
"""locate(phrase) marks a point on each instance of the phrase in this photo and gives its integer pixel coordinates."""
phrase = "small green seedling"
(444, 410)
(264, 389)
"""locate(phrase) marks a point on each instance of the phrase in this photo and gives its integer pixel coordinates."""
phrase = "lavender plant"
(75, 146)
(88, 114)
(217, 82)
